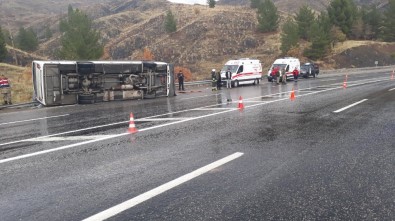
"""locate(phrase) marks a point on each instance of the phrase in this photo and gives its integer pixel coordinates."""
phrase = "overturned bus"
(72, 82)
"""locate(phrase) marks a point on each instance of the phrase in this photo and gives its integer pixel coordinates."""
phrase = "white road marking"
(58, 148)
(160, 119)
(391, 89)
(67, 132)
(104, 138)
(329, 79)
(42, 118)
(162, 125)
(213, 108)
(161, 189)
(46, 139)
(349, 106)
(188, 98)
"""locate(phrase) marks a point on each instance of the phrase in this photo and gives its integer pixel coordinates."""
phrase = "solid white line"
(351, 105)
(161, 189)
(162, 125)
(67, 132)
(58, 148)
(188, 98)
(104, 138)
(161, 119)
(329, 79)
(213, 108)
(45, 139)
(248, 101)
(15, 122)
(391, 89)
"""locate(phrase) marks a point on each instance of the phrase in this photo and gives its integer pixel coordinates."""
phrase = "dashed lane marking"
(161, 189)
(391, 89)
(349, 106)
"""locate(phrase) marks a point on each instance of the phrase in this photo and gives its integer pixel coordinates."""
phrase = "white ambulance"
(288, 63)
(244, 71)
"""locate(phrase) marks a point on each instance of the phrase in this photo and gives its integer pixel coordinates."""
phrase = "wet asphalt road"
(295, 160)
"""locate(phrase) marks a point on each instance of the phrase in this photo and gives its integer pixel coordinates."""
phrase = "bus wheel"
(86, 98)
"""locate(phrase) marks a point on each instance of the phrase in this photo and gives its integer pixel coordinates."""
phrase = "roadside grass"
(21, 82)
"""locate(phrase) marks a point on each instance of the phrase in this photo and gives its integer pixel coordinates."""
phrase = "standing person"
(219, 80)
(228, 78)
(295, 72)
(5, 89)
(284, 75)
(214, 80)
(180, 77)
(275, 74)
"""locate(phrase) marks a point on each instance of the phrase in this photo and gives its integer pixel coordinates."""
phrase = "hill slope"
(205, 38)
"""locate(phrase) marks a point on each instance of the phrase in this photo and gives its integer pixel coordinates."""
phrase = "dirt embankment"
(20, 80)
(356, 54)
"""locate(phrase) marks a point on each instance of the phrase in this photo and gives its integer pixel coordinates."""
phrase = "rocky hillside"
(205, 37)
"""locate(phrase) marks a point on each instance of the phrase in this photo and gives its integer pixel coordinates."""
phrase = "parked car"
(309, 69)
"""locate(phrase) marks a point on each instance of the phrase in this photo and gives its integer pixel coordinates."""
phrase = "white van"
(288, 63)
(244, 71)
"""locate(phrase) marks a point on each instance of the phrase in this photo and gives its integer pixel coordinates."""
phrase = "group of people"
(278, 73)
(5, 89)
(217, 79)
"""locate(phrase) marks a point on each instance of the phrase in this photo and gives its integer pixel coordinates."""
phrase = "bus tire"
(86, 99)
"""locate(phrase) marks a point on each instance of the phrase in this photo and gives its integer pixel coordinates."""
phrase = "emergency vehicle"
(288, 63)
(71, 82)
(244, 71)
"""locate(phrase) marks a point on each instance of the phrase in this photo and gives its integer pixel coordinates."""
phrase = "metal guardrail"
(343, 70)
(197, 82)
(29, 104)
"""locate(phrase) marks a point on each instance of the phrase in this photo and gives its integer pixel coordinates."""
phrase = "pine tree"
(289, 35)
(27, 39)
(3, 49)
(79, 40)
(388, 28)
(268, 17)
(320, 40)
(342, 13)
(211, 3)
(170, 22)
(304, 19)
(372, 20)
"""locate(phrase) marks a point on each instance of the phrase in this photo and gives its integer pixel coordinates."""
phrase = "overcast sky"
(202, 2)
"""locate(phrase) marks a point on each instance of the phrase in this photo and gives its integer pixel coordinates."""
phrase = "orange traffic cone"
(292, 97)
(241, 105)
(132, 127)
(345, 83)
